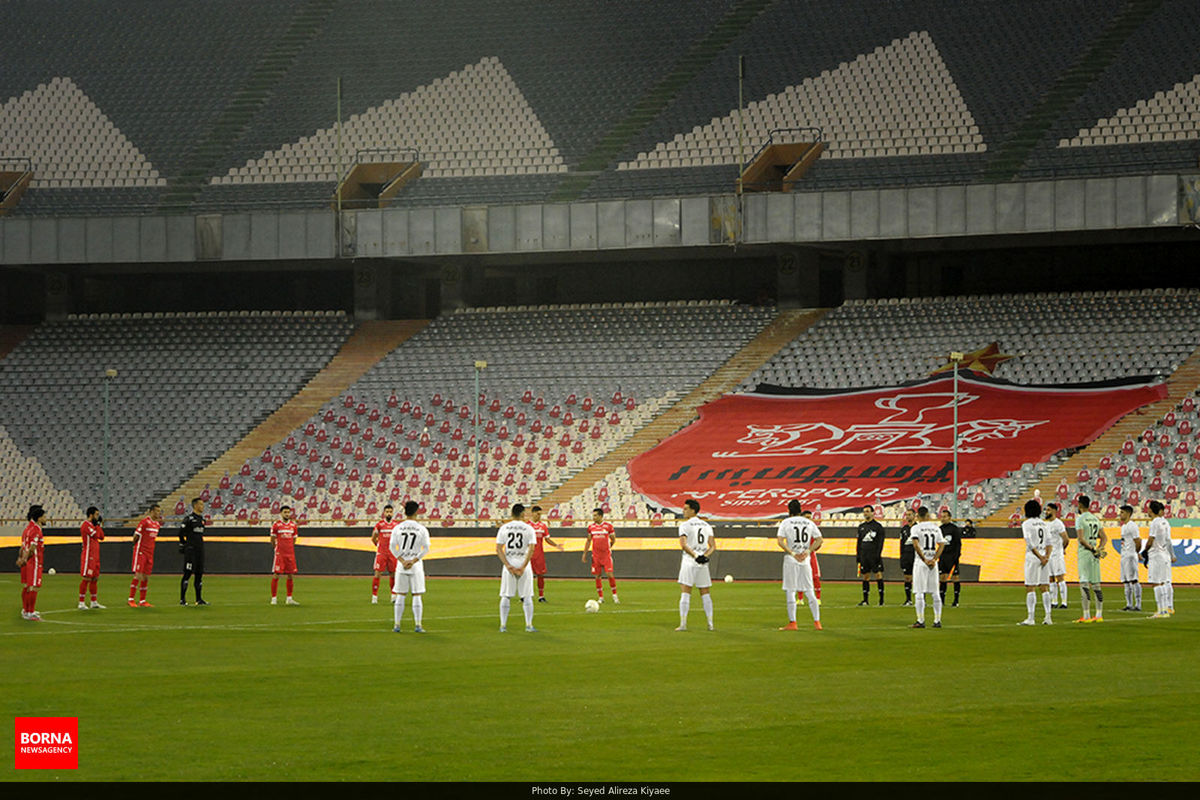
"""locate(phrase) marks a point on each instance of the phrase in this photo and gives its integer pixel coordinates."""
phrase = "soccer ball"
(591, 606)
(51, 571)
(729, 579)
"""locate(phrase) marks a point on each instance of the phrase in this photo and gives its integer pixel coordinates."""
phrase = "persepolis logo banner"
(750, 453)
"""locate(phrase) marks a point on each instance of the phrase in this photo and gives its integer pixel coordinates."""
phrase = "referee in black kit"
(948, 563)
(191, 544)
(869, 554)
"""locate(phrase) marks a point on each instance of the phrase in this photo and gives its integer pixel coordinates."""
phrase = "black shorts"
(948, 568)
(193, 560)
(906, 563)
(870, 565)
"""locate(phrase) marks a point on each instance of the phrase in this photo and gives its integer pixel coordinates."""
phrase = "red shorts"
(143, 558)
(89, 565)
(600, 562)
(284, 565)
(816, 568)
(538, 562)
(385, 562)
(31, 573)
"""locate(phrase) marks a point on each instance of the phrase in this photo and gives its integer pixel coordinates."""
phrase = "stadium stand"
(26, 482)
(571, 99)
(563, 385)
(187, 387)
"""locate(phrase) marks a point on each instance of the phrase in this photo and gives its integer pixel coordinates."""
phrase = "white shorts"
(511, 585)
(1159, 568)
(1036, 573)
(411, 581)
(1058, 563)
(925, 578)
(797, 576)
(693, 574)
(1129, 569)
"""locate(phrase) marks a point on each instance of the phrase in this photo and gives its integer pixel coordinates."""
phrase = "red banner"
(750, 453)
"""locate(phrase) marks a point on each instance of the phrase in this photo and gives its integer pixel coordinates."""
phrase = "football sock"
(791, 606)
(920, 602)
(198, 586)
(612, 584)
(1062, 592)
(289, 586)
(957, 586)
(133, 586)
(391, 581)
(599, 587)
(941, 592)
(82, 588)
(813, 606)
(1128, 595)
(866, 587)
(1137, 594)
(183, 589)
(505, 603)
(1160, 598)
(1031, 603)
(706, 601)
(937, 608)
(274, 586)
(527, 607)
(375, 587)
(541, 586)
(95, 588)
(418, 609)
(908, 591)
(1046, 603)
(142, 592)
(1099, 602)
(1085, 601)
(398, 610)
(879, 585)
(25, 601)
(685, 603)
(1171, 596)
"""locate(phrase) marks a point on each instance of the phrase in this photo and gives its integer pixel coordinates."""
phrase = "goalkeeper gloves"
(702, 559)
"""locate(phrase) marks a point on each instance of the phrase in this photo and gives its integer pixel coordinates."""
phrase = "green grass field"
(325, 691)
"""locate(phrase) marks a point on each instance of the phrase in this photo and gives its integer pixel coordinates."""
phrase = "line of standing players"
(869, 554)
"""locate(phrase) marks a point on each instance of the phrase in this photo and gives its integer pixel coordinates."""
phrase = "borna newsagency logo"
(46, 743)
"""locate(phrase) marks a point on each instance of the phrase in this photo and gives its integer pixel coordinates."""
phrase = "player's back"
(697, 534)
(798, 533)
(517, 538)
(1036, 533)
(409, 540)
(1087, 528)
(928, 535)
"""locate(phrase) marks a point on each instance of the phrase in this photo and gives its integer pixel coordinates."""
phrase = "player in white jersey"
(514, 546)
(1036, 532)
(1058, 556)
(1131, 545)
(799, 538)
(1162, 554)
(927, 541)
(697, 541)
(409, 543)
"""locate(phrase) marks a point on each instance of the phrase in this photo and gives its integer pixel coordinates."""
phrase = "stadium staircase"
(369, 343)
(11, 336)
(204, 159)
(657, 97)
(1183, 382)
(782, 330)
(1011, 155)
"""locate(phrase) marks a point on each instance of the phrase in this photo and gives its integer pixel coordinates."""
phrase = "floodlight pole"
(109, 374)
(955, 357)
(479, 367)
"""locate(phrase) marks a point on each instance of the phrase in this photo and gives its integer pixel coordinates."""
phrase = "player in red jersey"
(144, 536)
(89, 558)
(30, 560)
(385, 562)
(539, 555)
(600, 539)
(283, 537)
(816, 568)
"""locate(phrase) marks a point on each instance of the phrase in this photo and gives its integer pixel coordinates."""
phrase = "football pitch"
(242, 690)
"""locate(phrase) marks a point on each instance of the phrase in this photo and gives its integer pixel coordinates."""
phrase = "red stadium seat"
(322, 436)
(360, 409)
(1171, 492)
(328, 416)
(348, 401)
(353, 428)
(539, 403)
(556, 412)
(239, 489)
(373, 415)
(1155, 485)
(342, 421)
(1127, 448)
(527, 397)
